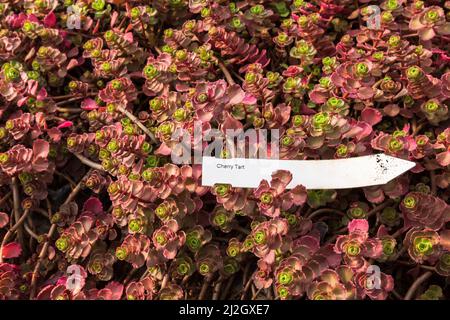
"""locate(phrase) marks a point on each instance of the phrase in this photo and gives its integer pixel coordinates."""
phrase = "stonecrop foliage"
(93, 207)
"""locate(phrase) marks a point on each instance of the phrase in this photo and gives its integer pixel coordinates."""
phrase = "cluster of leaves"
(92, 92)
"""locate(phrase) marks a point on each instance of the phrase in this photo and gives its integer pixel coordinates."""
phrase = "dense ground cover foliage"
(92, 207)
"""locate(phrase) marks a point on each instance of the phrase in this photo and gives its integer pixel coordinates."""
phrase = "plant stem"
(129, 276)
(228, 287)
(226, 73)
(60, 103)
(412, 290)
(64, 96)
(164, 281)
(79, 34)
(256, 294)
(66, 177)
(138, 123)
(325, 210)
(185, 280)
(242, 230)
(69, 110)
(237, 75)
(50, 233)
(5, 197)
(204, 288)
(433, 182)
(269, 293)
(412, 265)
(380, 207)
(11, 231)
(31, 232)
(247, 286)
(90, 163)
(217, 287)
(74, 95)
(417, 127)
(16, 203)
(397, 295)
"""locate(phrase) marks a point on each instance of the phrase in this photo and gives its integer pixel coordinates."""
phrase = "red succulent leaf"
(41, 149)
(11, 250)
(93, 205)
(358, 225)
(50, 20)
(88, 104)
(371, 116)
(65, 124)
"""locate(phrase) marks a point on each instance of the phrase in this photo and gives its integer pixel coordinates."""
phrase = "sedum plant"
(93, 206)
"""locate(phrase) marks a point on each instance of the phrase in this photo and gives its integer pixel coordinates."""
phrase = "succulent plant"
(103, 120)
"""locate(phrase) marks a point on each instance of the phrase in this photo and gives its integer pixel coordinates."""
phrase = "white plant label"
(346, 173)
